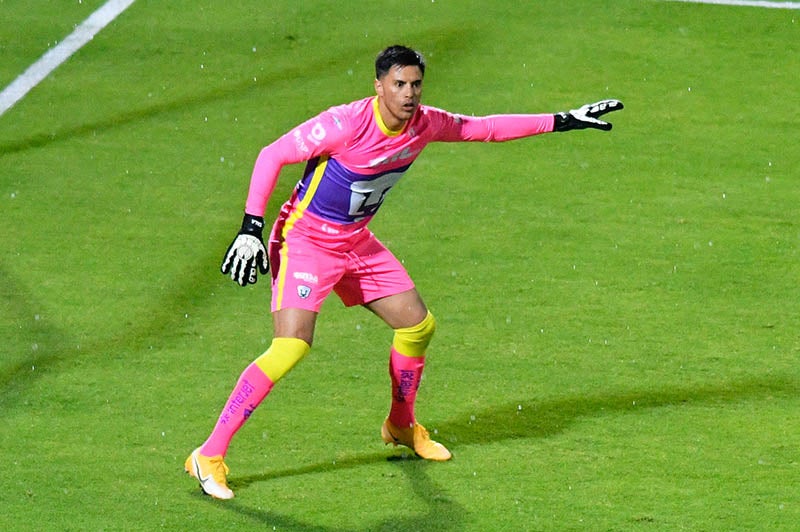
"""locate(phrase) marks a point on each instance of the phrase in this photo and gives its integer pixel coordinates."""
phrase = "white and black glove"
(586, 116)
(247, 252)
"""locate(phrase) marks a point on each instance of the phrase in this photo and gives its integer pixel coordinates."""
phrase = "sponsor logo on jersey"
(406, 153)
(299, 142)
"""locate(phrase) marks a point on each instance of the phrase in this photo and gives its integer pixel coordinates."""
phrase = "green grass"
(618, 313)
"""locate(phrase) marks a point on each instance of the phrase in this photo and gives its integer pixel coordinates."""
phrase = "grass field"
(618, 313)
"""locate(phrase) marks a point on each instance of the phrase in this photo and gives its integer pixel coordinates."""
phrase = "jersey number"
(367, 196)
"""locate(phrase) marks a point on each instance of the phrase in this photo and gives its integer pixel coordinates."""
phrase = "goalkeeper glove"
(586, 116)
(247, 252)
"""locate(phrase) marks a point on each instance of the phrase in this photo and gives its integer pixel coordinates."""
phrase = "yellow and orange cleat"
(415, 438)
(211, 472)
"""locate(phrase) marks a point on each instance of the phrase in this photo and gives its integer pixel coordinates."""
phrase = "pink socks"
(406, 373)
(252, 387)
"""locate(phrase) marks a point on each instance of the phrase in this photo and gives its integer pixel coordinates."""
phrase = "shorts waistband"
(324, 231)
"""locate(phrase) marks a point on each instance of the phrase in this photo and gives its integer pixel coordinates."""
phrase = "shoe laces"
(422, 432)
(219, 470)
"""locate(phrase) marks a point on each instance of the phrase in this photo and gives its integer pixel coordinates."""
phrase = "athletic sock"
(406, 361)
(406, 373)
(252, 387)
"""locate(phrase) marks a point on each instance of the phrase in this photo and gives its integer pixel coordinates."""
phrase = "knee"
(413, 341)
(282, 356)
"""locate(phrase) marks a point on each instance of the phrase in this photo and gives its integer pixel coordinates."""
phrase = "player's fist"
(587, 116)
(247, 254)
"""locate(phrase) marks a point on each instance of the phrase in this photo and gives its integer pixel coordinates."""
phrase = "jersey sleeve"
(491, 128)
(323, 134)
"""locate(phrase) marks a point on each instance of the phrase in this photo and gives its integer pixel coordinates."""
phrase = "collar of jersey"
(381, 124)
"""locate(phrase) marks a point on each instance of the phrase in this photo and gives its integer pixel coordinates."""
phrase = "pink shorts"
(309, 257)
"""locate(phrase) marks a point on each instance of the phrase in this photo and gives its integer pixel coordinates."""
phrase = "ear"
(378, 88)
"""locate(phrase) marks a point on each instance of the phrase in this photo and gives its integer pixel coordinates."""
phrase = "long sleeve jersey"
(353, 159)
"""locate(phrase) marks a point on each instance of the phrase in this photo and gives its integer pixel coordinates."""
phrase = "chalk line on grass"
(38, 71)
(746, 3)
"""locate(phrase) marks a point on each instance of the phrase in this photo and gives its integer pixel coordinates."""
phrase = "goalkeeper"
(320, 242)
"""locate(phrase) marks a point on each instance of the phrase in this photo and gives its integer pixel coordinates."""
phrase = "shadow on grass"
(448, 38)
(526, 418)
(431, 508)
(38, 339)
(523, 419)
(46, 346)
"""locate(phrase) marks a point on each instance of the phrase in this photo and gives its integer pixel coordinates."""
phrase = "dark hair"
(398, 55)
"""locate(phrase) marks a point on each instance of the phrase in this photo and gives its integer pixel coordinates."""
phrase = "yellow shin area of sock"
(413, 341)
(281, 357)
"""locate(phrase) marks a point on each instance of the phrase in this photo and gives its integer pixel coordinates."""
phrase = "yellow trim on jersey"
(379, 120)
(296, 214)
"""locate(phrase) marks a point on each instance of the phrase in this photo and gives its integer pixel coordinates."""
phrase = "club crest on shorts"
(303, 291)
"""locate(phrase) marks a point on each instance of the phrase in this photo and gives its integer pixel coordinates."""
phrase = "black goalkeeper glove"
(586, 116)
(247, 252)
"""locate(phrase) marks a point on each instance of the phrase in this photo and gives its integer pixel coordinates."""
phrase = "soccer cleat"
(210, 471)
(415, 438)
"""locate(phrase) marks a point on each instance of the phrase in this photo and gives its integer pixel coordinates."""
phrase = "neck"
(386, 119)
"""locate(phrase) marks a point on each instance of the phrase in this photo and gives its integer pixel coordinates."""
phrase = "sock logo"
(406, 385)
(236, 403)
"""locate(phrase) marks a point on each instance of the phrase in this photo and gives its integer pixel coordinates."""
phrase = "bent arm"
(265, 174)
(306, 141)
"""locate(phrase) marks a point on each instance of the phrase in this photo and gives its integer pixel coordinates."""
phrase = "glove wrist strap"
(563, 122)
(252, 225)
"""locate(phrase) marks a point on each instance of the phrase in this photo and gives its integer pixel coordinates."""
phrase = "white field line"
(55, 56)
(746, 3)
(111, 9)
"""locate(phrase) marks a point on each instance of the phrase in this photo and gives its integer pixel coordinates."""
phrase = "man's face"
(399, 93)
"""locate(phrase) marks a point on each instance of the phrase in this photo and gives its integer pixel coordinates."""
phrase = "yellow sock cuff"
(282, 356)
(413, 341)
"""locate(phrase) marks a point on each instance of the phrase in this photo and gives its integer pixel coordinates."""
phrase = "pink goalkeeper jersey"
(354, 159)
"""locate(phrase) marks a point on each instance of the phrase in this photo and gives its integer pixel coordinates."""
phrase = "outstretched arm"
(499, 128)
